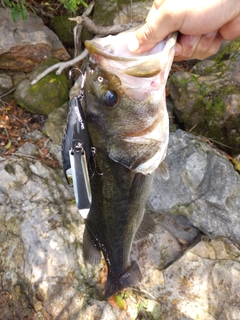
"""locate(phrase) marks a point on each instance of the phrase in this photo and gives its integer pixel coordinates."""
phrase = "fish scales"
(128, 123)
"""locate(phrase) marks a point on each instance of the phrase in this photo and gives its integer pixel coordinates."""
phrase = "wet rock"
(45, 96)
(23, 45)
(203, 186)
(207, 99)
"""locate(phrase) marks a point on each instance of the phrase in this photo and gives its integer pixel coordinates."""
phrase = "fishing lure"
(78, 154)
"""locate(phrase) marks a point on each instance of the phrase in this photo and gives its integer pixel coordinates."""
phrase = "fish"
(125, 108)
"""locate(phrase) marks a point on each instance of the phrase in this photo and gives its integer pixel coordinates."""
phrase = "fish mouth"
(112, 53)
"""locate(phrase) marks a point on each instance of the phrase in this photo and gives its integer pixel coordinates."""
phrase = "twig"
(92, 27)
(78, 29)
(7, 93)
(38, 8)
(9, 140)
(24, 155)
(19, 120)
(7, 134)
(104, 31)
(60, 66)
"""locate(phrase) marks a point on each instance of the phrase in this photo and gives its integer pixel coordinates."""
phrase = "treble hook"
(83, 77)
(70, 73)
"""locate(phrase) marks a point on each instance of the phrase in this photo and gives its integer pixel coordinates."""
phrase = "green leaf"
(8, 3)
(8, 146)
(15, 13)
(84, 4)
(24, 13)
(119, 301)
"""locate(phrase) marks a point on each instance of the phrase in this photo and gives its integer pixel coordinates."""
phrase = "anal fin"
(91, 254)
(146, 227)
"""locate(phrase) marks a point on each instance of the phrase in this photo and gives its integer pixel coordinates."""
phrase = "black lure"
(78, 155)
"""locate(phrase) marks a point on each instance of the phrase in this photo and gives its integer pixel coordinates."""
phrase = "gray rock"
(23, 45)
(203, 186)
(6, 83)
(56, 122)
(43, 273)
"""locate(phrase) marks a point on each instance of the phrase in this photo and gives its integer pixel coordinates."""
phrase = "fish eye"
(110, 98)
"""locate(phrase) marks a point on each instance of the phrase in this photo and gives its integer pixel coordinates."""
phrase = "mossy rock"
(45, 96)
(63, 27)
(207, 100)
(106, 11)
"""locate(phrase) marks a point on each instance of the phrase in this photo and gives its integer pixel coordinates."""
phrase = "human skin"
(202, 26)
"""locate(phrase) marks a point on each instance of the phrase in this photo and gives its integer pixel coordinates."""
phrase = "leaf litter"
(15, 124)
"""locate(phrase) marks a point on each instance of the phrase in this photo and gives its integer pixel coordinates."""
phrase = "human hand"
(202, 26)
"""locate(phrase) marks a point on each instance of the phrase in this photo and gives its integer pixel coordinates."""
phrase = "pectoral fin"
(162, 171)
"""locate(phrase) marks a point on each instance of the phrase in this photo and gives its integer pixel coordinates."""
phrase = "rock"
(63, 28)
(6, 83)
(23, 45)
(203, 285)
(45, 96)
(203, 186)
(111, 12)
(55, 124)
(207, 99)
(43, 274)
(135, 11)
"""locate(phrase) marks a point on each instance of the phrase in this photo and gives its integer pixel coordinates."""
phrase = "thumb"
(143, 40)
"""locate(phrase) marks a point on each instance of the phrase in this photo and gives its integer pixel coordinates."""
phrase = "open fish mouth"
(112, 54)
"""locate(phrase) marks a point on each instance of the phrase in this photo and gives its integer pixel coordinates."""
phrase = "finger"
(199, 48)
(189, 44)
(231, 30)
(150, 34)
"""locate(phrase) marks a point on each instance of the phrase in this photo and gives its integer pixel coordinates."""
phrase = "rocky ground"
(190, 265)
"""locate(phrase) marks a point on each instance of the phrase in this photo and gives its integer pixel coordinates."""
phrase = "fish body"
(128, 123)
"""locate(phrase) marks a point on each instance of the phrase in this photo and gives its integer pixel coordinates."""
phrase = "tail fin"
(130, 277)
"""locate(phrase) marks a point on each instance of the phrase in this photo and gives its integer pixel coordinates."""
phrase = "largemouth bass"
(127, 118)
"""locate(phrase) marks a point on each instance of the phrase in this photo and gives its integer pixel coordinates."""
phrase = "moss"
(63, 27)
(45, 96)
(10, 169)
(228, 52)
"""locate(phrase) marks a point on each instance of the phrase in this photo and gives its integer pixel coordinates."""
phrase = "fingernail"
(133, 44)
